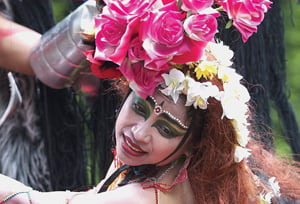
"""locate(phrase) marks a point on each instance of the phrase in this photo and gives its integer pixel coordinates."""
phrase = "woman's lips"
(131, 148)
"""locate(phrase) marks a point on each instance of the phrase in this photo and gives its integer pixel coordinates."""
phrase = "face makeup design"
(147, 131)
(159, 110)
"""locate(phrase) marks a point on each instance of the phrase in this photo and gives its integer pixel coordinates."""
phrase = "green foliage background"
(291, 16)
(60, 9)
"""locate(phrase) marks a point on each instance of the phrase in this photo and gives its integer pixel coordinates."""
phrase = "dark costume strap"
(111, 179)
(137, 173)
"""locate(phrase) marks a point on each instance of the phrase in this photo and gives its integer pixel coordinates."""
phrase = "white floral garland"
(216, 61)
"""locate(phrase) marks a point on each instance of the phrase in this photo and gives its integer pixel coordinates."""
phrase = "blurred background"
(291, 16)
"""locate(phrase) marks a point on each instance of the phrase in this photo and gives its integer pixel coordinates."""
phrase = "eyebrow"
(152, 103)
(171, 118)
(168, 116)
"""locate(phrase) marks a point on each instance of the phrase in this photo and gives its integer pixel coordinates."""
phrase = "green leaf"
(229, 24)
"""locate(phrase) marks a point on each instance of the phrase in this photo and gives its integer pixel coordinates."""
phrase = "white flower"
(198, 93)
(275, 186)
(237, 92)
(266, 198)
(227, 74)
(243, 137)
(175, 84)
(233, 100)
(221, 52)
(233, 109)
(241, 153)
(242, 132)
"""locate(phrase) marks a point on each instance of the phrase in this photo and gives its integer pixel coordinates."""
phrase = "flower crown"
(151, 41)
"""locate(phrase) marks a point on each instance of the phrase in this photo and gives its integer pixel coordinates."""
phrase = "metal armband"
(59, 58)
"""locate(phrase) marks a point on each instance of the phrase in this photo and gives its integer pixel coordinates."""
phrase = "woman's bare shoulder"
(129, 194)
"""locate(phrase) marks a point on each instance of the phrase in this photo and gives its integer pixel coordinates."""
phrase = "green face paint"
(166, 125)
(166, 129)
(140, 106)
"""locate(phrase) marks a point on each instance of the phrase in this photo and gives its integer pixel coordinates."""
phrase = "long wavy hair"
(214, 175)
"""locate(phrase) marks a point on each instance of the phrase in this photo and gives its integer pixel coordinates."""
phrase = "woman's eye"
(138, 108)
(165, 130)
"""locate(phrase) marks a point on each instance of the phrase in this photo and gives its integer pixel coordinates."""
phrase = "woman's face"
(148, 131)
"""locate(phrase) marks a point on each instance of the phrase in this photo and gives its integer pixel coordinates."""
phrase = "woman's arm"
(14, 192)
(17, 193)
(16, 42)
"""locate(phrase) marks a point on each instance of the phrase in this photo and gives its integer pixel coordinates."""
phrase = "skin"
(145, 133)
(16, 42)
(143, 137)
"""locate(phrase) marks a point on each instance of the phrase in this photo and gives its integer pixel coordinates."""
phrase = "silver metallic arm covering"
(59, 57)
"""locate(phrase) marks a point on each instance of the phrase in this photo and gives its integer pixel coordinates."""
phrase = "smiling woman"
(149, 137)
(184, 132)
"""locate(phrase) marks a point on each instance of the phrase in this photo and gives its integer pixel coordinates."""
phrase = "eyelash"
(139, 108)
(164, 129)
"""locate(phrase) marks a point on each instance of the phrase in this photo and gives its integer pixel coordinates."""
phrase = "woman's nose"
(142, 131)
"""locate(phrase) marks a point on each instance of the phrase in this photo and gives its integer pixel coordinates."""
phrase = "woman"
(183, 134)
(173, 154)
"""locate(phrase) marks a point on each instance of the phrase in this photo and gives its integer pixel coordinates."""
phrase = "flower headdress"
(153, 41)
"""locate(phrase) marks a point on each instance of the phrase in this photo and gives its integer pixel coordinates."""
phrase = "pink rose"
(113, 36)
(165, 27)
(128, 9)
(143, 81)
(201, 27)
(196, 5)
(194, 53)
(246, 14)
(163, 36)
(136, 51)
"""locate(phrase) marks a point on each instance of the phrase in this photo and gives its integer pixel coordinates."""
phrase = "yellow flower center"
(200, 102)
(207, 71)
(174, 84)
(225, 78)
(185, 87)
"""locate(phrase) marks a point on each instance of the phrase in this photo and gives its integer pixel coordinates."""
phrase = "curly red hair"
(214, 175)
